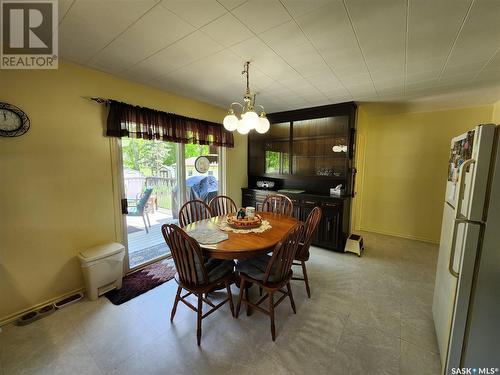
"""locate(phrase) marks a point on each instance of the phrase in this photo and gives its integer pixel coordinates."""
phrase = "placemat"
(227, 228)
(208, 236)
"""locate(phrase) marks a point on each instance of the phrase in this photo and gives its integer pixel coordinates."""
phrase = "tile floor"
(368, 315)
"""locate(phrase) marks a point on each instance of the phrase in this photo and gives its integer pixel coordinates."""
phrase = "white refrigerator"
(466, 305)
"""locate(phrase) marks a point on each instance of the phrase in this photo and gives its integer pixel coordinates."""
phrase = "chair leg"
(260, 291)
(177, 298)
(198, 330)
(145, 224)
(306, 280)
(271, 315)
(230, 297)
(290, 295)
(240, 297)
(247, 288)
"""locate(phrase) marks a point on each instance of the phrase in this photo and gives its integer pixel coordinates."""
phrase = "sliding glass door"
(158, 177)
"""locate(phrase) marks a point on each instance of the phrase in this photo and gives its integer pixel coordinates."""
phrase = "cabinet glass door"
(277, 149)
(320, 147)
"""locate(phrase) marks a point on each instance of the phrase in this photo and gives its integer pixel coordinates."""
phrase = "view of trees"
(149, 156)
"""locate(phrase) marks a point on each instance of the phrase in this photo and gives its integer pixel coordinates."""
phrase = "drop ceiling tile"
(489, 76)
(79, 51)
(183, 52)
(227, 30)
(473, 68)
(298, 8)
(480, 35)
(161, 27)
(261, 15)
(381, 27)
(356, 79)
(423, 76)
(108, 21)
(63, 7)
(290, 43)
(330, 31)
(286, 39)
(197, 12)
(231, 4)
(264, 58)
(432, 28)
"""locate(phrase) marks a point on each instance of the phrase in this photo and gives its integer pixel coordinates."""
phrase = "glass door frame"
(118, 185)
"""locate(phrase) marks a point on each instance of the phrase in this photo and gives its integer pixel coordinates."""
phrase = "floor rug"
(145, 255)
(132, 229)
(142, 281)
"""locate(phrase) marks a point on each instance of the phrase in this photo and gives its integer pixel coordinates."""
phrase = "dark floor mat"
(142, 281)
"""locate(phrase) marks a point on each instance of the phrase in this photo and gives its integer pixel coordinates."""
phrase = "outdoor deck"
(143, 246)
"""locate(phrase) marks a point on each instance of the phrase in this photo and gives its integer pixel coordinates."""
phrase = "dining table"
(244, 245)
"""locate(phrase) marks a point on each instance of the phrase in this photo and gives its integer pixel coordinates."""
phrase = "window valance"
(126, 120)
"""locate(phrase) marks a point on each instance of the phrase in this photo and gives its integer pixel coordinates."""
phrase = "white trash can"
(102, 268)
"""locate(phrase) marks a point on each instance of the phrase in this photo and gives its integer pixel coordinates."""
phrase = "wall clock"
(13, 121)
(202, 164)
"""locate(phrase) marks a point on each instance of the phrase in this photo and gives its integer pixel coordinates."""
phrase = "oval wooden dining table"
(245, 245)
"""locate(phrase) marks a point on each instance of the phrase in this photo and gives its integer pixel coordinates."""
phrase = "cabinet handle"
(309, 202)
(330, 204)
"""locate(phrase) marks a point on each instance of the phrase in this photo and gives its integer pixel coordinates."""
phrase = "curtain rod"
(97, 99)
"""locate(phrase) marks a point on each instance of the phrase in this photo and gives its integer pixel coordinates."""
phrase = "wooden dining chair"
(302, 255)
(279, 204)
(195, 275)
(271, 273)
(222, 205)
(193, 211)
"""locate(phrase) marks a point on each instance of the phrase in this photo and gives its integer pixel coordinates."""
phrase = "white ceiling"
(304, 52)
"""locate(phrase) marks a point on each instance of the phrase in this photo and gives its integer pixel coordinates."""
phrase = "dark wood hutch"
(310, 150)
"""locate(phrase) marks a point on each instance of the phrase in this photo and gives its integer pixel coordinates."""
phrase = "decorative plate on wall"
(13, 121)
(202, 164)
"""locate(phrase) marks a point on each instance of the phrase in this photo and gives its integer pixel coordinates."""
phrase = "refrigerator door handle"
(458, 220)
(461, 186)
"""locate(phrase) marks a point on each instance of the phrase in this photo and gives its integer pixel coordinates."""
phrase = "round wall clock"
(13, 121)
(202, 164)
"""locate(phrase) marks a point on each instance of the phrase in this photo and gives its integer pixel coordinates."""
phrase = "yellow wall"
(496, 113)
(56, 180)
(402, 164)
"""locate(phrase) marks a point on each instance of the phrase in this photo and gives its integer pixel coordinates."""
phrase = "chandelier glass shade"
(249, 118)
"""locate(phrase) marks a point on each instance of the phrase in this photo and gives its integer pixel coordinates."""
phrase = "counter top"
(299, 195)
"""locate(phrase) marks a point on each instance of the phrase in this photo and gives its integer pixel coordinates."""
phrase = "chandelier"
(249, 119)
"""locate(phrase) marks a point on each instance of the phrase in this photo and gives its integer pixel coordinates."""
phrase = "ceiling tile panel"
(197, 12)
(290, 43)
(227, 30)
(330, 31)
(381, 28)
(299, 8)
(231, 4)
(183, 52)
(161, 27)
(90, 25)
(432, 28)
(264, 58)
(261, 15)
(480, 36)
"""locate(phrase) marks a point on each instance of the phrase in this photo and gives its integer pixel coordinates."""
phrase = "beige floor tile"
(368, 350)
(416, 361)
(368, 315)
(420, 332)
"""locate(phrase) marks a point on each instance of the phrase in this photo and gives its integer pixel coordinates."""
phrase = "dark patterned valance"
(125, 120)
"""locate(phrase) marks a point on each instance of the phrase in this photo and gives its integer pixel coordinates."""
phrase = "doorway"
(158, 178)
